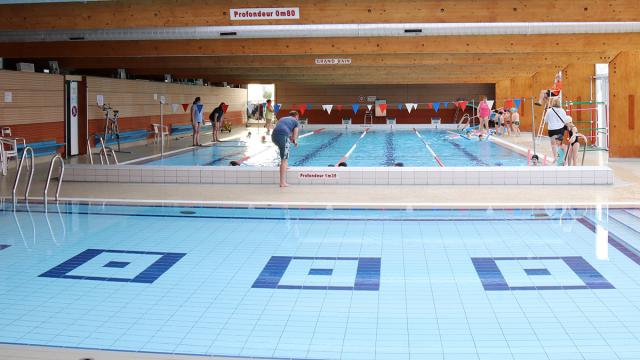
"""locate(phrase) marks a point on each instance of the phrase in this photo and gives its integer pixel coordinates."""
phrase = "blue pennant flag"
(355, 107)
(516, 102)
(308, 106)
(199, 107)
(445, 104)
(277, 107)
(400, 106)
(436, 106)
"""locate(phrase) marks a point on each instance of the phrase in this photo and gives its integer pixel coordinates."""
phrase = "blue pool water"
(377, 148)
(323, 284)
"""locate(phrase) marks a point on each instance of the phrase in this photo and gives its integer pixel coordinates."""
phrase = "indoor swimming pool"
(375, 148)
(546, 283)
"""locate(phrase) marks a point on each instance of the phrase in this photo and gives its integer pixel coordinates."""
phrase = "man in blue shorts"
(286, 131)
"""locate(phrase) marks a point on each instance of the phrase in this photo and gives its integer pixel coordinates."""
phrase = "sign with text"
(333, 61)
(265, 13)
(317, 175)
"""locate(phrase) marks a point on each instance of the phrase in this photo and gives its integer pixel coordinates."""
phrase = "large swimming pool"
(323, 284)
(375, 148)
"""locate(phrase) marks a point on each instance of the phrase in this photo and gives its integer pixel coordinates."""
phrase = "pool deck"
(625, 191)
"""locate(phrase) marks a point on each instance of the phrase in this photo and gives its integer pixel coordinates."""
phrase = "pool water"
(376, 148)
(323, 284)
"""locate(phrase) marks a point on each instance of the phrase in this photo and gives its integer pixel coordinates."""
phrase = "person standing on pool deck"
(268, 116)
(555, 118)
(286, 131)
(483, 113)
(196, 120)
(216, 120)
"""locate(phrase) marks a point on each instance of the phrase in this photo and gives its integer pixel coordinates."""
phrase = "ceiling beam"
(173, 13)
(497, 44)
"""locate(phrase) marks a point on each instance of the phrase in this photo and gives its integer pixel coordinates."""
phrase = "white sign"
(333, 61)
(73, 118)
(371, 98)
(315, 175)
(265, 13)
(100, 100)
(163, 100)
(8, 96)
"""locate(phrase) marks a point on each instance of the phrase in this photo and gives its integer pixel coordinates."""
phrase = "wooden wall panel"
(624, 84)
(290, 94)
(521, 88)
(37, 98)
(576, 79)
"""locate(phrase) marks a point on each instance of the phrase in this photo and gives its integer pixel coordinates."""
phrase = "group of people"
(197, 120)
(559, 123)
(505, 121)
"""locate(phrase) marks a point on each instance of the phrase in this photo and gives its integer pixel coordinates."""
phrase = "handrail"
(103, 152)
(60, 176)
(17, 180)
(89, 151)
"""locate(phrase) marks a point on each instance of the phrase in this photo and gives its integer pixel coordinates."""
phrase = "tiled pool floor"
(323, 284)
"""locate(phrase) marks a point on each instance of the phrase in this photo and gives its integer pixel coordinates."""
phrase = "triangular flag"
(303, 107)
(429, 106)
(355, 107)
(462, 104)
(199, 107)
(327, 108)
(369, 107)
(308, 106)
(490, 103)
(224, 108)
(277, 107)
(409, 107)
(445, 104)
(400, 106)
(185, 107)
(508, 104)
(415, 106)
(175, 107)
(339, 107)
(516, 102)
(436, 106)
(383, 107)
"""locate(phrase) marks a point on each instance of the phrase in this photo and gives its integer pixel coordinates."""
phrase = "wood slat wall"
(135, 98)
(290, 94)
(37, 98)
(624, 75)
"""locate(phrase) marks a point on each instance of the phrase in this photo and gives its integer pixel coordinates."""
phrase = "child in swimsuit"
(515, 121)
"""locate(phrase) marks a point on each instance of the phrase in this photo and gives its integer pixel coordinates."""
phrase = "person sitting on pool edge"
(285, 131)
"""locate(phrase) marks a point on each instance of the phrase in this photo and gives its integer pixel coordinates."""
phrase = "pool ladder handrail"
(45, 197)
(31, 168)
(104, 153)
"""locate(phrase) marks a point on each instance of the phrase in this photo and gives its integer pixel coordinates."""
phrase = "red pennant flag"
(339, 107)
(185, 107)
(383, 107)
(462, 104)
(303, 107)
(429, 106)
(508, 104)
(224, 108)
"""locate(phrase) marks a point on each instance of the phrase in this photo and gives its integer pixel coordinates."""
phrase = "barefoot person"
(216, 120)
(286, 131)
(196, 120)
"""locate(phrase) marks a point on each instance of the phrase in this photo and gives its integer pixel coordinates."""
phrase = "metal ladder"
(31, 168)
(60, 176)
(368, 116)
(105, 151)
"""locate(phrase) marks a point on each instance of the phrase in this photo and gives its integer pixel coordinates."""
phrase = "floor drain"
(187, 212)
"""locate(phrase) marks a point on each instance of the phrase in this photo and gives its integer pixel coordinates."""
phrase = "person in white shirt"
(556, 119)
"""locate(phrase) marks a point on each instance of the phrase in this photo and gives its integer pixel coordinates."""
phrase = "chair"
(3, 160)
(6, 131)
(159, 131)
(10, 149)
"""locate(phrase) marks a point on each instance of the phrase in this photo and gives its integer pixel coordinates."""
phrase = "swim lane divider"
(310, 133)
(346, 156)
(261, 151)
(433, 153)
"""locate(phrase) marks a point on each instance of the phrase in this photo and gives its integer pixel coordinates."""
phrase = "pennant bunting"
(445, 104)
(199, 107)
(185, 107)
(429, 106)
(436, 106)
(400, 106)
(327, 108)
(302, 108)
(277, 107)
(516, 102)
(508, 104)
(490, 103)
(355, 107)
(462, 104)
(409, 107)
(224, 108)
(175, 107)
(308, 106)
(382, 107)
(369, 107)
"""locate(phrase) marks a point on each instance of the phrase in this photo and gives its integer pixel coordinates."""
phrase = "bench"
(41, 148)
(125, 136)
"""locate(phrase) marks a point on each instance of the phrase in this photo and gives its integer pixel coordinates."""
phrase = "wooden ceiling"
(420, 59)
